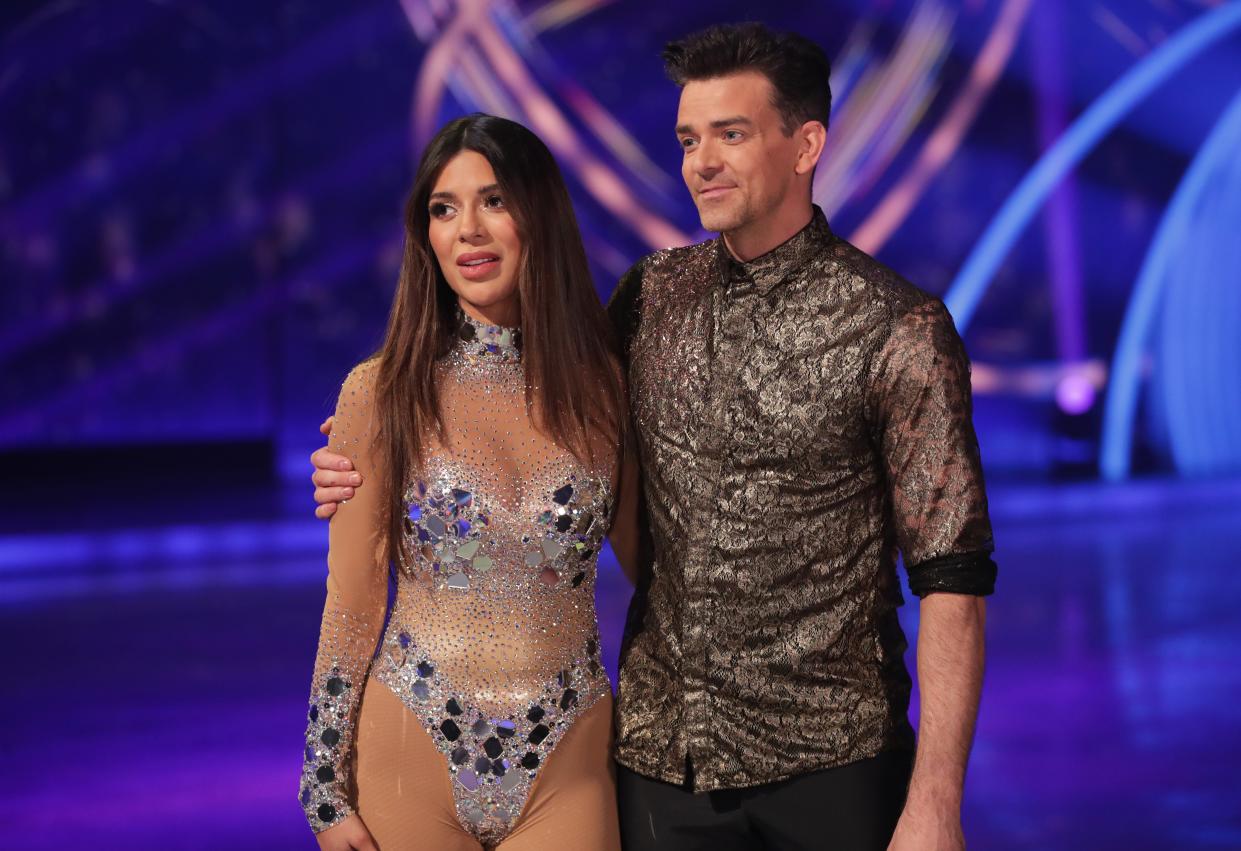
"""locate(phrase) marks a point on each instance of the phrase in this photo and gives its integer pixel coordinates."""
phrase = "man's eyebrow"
(717, 124)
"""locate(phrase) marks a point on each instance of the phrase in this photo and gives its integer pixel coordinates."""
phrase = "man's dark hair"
(797, 67)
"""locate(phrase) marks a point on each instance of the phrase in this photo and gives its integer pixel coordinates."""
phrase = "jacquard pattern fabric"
(493, 642)
(799, 418)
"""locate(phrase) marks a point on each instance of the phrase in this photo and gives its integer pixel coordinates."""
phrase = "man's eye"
(438, 211)
(732, 135)
(687, 143)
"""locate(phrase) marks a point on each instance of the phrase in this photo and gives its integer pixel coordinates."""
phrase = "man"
(801, 413)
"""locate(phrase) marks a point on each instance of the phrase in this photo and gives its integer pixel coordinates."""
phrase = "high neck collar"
(486, 342)
(782, 262)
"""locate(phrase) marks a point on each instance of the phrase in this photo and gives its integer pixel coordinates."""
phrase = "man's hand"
(350, 835)
(937, 829)
(334, 479)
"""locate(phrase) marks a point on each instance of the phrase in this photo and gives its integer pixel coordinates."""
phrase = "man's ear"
(811, 138)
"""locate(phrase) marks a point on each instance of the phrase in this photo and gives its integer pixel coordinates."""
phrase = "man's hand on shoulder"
(334, 477)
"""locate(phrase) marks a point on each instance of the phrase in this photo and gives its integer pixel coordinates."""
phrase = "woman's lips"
(476, 265)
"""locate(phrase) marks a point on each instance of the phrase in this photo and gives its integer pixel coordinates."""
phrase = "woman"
(488, 430)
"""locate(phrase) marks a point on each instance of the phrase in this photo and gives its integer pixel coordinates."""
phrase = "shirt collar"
(781, 263)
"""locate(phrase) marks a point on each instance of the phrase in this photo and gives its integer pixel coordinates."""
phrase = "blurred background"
(199, 235)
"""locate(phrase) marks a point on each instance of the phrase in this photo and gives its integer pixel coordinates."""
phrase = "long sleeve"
(920, 391)
(352, 615)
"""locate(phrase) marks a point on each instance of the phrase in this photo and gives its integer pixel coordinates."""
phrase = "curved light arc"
(1120, 407)
(979, 269)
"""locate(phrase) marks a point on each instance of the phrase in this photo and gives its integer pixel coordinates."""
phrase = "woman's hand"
(350, 835)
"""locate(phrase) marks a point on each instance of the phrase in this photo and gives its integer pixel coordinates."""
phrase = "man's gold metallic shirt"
(800, 418)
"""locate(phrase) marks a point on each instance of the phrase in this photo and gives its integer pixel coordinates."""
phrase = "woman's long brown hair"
(573, 388)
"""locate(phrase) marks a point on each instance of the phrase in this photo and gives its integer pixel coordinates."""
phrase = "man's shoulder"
(882, 285)
(677, 261)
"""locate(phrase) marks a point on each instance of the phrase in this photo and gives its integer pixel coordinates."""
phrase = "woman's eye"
(438, 211)
(494, 202)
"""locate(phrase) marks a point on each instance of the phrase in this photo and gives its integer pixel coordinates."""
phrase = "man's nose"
(708, 161)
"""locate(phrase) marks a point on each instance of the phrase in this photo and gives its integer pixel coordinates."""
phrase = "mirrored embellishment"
(467, 551)
(564, 523)
(305, 795)
(481, 728)
(459, 755)
(538, 734)
(499, 767)
(420, 689)
(534, 559)
(493, 748)
(310, 754)
(468, 779)
(545, 517)
(463, 499)
(562, 495)
(459, 581)
(482, 765)
(471, 812)
(415, 511)
(336, 686)
(425, 670)
(314, 713)
(577, 580)
(548, 576)
(403, 640)
(453, 707)
(505, 729)
(330, 737)
(530, 761)
(326, 774)
(435, 525)
(551, 549)
(462, 528)
(326, 812)
(568, 698)
(510, 781)
(482, 564)
(450, 730)
(585, 522)
(535, 715)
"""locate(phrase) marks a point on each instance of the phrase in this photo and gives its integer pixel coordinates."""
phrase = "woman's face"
(475, 239)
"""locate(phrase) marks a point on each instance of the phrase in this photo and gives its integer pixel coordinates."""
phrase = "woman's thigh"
(404, 792)
(572, 803)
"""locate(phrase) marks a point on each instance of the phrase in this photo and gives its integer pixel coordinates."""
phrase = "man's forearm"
(950, 667)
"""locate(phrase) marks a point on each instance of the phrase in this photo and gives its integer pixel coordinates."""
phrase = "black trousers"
(851, 808)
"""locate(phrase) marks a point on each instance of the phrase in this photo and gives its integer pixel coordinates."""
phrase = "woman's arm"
(357, 589)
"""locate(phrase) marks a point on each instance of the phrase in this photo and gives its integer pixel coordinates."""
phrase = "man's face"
(738, 163)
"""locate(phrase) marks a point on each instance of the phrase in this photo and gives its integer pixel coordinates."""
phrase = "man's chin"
(719, 221)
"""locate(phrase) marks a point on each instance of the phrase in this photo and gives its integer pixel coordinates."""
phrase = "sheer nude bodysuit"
(486, 715)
